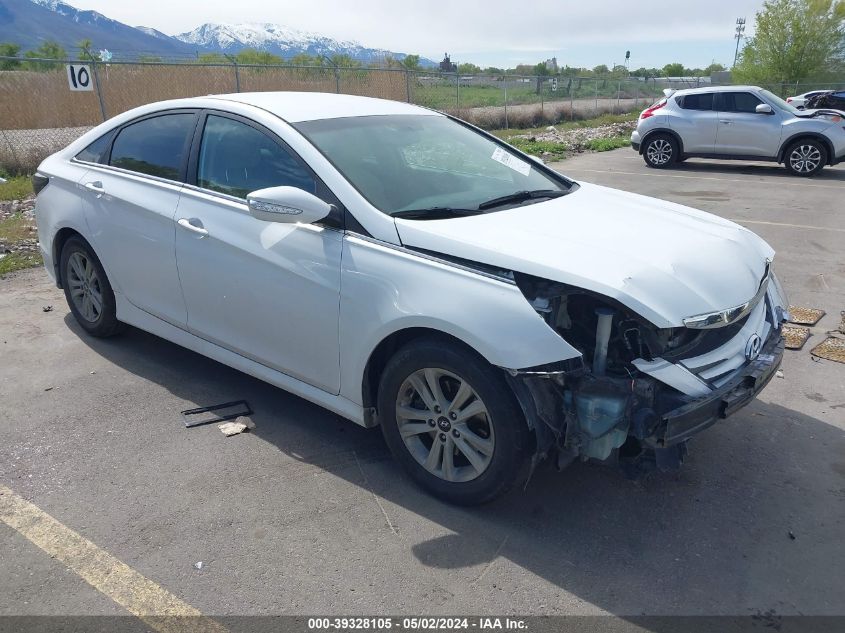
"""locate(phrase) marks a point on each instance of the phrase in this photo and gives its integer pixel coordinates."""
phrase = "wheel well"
(58, 244)
(384, 351)
(671, 133)
(799, 137)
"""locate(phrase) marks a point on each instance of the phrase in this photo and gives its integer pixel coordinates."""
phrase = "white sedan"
(799, 101)
(401, 268)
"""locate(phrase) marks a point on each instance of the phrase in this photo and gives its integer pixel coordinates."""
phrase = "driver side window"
(236, 158)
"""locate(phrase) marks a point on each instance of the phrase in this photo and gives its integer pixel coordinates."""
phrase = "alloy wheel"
(659, 151)
(805, 158)
(445, 425)
(85, 289)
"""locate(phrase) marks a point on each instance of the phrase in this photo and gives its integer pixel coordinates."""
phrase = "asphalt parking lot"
(308, 514)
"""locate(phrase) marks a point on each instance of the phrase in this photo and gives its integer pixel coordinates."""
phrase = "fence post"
(637, 95)
(237, 73)
(457, 91)
(596, 110)
(618, 91)
(571, 104)
(505, 84)
(407, 85)
(100, 97)
(542, 104)
(336, 80)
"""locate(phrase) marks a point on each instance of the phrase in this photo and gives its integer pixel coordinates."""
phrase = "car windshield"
(429, 166)
(779, 103)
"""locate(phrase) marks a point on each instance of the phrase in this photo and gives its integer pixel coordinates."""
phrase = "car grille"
(718, 365)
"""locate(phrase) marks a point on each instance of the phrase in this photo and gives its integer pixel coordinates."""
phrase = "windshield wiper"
(434, 213)
(521, 196)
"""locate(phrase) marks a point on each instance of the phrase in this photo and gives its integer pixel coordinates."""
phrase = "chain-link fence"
(39, 113)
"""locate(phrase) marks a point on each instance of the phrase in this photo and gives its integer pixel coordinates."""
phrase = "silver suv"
(738, 123)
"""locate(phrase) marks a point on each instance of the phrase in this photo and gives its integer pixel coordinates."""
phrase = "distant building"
(447, 66)
(552, 66)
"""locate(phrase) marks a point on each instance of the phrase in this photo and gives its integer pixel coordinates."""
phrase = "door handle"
(185, 223)
(725, 121)
(96, 187)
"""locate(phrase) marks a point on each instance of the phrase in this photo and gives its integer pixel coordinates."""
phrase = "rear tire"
(467, 444)
(661, 151)
(805, 157)
(88, 292)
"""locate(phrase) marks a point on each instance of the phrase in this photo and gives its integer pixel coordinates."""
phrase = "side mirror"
(764, 108)
(288, 205)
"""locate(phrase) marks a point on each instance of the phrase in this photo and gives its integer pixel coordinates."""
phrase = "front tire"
(88, 292)
(661, 151)
(805, 157)
(452, 422)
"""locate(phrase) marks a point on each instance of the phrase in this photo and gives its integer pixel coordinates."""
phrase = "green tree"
(673, 70)
(411, 62)
(48, 50)
(261, 58)
(468, 69)
(714, 68)
(344, 61)
(601, 69)
(86, 52)
(213, 58)
(7, 49)
(303, 59)
(793, 40)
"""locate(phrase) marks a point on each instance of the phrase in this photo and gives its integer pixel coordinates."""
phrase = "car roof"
(295, 107)
(690, 91)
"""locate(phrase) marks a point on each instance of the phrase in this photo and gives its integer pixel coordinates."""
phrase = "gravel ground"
(577, 139)
(26, 208)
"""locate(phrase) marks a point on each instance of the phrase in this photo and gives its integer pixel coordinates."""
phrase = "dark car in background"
(834, 99)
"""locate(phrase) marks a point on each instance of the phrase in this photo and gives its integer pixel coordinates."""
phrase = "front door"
(267, 291)
(744, 132)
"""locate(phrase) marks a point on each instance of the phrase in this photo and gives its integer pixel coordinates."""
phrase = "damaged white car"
(404, 269)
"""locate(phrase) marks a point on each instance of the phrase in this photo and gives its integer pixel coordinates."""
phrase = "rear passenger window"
(96, 152)
(702, 101)
(739, 102)
(236, 159)
(155, 146)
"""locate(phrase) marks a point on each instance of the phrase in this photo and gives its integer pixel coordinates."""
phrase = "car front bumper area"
(681, 423)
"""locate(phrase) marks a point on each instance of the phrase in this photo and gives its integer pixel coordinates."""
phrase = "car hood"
(662, 260)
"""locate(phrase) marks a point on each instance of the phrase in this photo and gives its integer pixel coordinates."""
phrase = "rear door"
(744, 132)
(130, 203)
(696, 123)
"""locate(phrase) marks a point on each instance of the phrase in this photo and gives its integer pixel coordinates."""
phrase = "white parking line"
(790, 226)
(744, 181)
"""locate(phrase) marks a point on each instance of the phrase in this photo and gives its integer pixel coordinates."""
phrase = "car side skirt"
(128, 313)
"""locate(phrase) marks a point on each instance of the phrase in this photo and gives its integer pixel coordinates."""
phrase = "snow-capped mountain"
(279, 40)
(30, 23)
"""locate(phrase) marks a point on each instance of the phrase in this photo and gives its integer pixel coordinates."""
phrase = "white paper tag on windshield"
(509, 160)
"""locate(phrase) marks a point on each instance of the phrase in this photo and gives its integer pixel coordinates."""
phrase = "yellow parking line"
(156, 606)
(565, 169)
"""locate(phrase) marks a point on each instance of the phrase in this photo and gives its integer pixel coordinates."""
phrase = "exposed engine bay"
(600, 406)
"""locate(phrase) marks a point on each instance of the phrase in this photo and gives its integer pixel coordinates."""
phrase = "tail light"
(650, 111)
(39, 181)
(789, 99)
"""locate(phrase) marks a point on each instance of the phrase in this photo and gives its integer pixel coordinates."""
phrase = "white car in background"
(738, 123)
(401, 268)
(799, 101)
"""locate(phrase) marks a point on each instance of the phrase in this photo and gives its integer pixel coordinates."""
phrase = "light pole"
(739, 32)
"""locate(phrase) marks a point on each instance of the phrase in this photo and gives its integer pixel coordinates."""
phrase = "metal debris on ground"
(805, 316)
(779, 373)
(832, 348)
(216, 413)
(842, 324)
(46, 308)
(795, 335)
(198, 565)
(240, 425)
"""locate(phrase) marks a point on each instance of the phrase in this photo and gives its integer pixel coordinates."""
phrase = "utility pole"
(738, 34)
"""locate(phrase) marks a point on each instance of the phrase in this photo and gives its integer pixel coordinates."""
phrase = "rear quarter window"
(702, 101)
(98, 151)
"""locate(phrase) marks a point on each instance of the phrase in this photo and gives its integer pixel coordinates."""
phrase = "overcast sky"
(485, 32)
